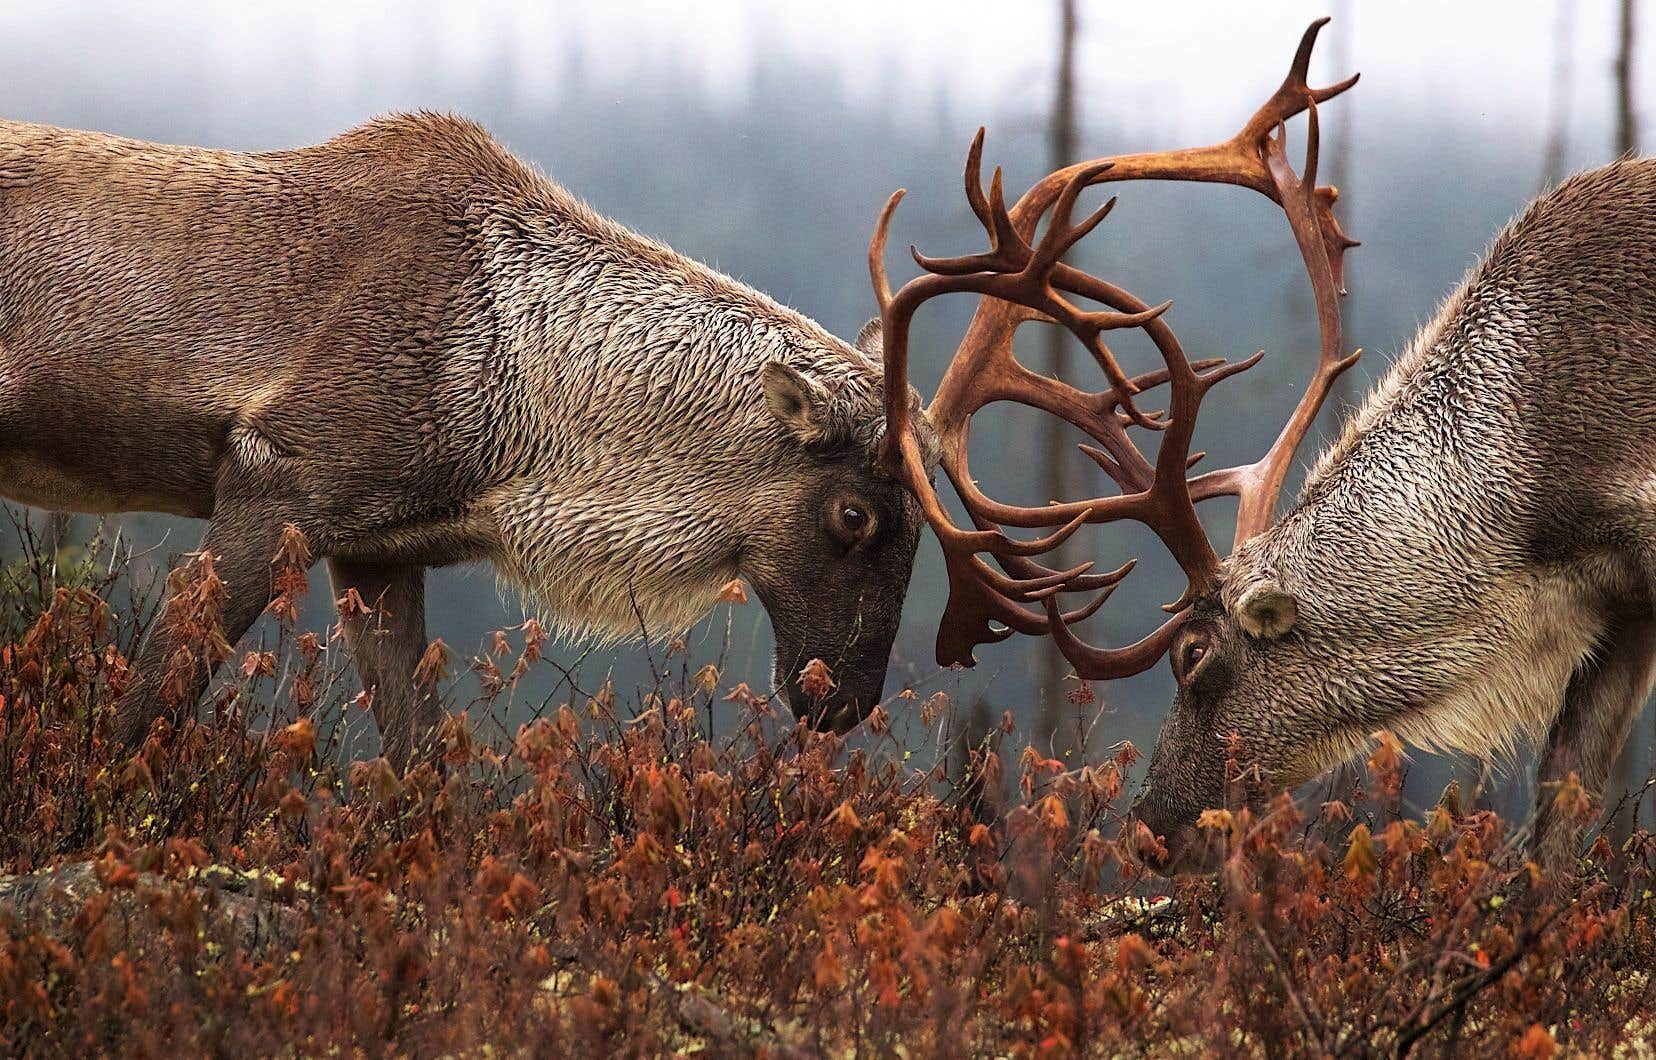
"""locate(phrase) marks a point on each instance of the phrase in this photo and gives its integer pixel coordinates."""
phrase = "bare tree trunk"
(1337, 170)
(978, 788)
(1563, 85)
(1055, 483)
(1337, 140)
(1628, 763)
(1627, 121)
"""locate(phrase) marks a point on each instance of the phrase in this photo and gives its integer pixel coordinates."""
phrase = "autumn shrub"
(645, 877)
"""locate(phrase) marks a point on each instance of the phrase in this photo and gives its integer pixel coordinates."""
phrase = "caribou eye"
(1190, 653)
(850, 520)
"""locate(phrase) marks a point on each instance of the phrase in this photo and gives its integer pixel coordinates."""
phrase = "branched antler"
(1021, 279)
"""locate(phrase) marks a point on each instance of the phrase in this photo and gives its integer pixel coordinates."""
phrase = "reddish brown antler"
(1021, 279)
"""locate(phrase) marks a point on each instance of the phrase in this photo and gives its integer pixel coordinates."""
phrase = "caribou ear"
(798, 403)
(871, 340)
(1266, 611)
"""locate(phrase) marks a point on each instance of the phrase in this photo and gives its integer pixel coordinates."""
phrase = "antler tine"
(1156, 378)
(1027, 589)
(1233, 161)
(1104, 664)
(877, 246)
(974, 181)
(1004, 233)
(1028, 570)
(1060, 235)
(1258, 485)
(1295, 93)
(890, 457)
(972, 608)
(996, 543)
(1313, 146)
(1119, 383)
(1299, 71)
(1021, 278)
(1007, 253)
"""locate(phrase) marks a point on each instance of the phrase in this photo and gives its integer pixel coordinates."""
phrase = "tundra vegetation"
(613, 879)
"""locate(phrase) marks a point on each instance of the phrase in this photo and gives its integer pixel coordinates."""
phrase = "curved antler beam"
(1022, 278)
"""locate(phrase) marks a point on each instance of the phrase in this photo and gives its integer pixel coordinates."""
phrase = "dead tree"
(1054, 467)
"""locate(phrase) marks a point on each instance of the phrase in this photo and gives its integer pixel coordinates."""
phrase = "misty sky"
(1177, 57)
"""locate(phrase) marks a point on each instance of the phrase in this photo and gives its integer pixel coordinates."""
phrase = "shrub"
(619, 878)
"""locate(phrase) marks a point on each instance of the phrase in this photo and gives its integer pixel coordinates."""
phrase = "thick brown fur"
(417, 350)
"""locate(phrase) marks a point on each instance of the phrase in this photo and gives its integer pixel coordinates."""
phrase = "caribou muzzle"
(857, 676)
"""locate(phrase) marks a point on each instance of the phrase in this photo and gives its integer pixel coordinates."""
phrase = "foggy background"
(762, 138)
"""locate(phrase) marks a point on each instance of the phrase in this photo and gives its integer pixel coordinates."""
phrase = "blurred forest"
(763, 141)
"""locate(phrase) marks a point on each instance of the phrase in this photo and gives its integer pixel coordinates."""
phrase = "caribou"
(410, 349)
(1470, 565)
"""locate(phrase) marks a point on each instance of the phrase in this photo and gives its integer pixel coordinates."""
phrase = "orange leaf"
(298, 739)
(1132, 952)
(1388, 754)
(1053, 812)
(352, 605)
(844, 822)
(292, 550)
(1536, 1044)
(815, 679)
(1215, 819)
(432, 664)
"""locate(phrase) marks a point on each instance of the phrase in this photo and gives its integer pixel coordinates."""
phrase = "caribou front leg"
(242, 542)
(387, 643)
(1604, 697)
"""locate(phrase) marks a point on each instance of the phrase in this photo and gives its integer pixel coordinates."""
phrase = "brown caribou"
(417, 350)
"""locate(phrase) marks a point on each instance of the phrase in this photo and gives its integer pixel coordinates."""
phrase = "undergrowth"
(641, 877)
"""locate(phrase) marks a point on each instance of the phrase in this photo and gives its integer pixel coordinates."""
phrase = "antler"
(1021, 279)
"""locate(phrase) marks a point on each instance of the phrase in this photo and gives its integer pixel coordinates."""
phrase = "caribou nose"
(824, 714)
(1177, 833)
(834, 715)
(838, 712)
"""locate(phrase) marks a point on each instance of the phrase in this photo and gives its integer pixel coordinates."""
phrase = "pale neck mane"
(637, 436)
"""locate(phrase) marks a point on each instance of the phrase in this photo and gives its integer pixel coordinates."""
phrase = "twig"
(1472, 988)
(1312, 1028)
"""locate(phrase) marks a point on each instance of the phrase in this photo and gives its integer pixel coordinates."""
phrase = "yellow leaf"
(1359, 858)
(1215, 819)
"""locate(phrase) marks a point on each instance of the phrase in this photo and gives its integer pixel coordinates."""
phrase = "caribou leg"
(242, 541)
(1604, 697)
(387, 643)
